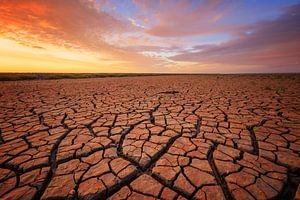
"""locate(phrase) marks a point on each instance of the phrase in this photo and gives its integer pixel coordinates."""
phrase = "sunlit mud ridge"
(172, 137)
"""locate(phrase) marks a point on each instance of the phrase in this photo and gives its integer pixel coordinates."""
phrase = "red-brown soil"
(166, 137)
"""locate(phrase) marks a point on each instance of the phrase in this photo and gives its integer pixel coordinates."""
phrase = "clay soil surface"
(163, 137)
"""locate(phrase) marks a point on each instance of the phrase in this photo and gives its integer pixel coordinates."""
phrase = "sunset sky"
(169, 36)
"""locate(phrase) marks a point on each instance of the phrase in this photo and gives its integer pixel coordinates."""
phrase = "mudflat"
(162, 137)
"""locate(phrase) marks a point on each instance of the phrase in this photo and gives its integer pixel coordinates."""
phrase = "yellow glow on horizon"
(20, 58)
(15, 57)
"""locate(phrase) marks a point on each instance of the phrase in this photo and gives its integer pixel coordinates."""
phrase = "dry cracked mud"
(164, 137)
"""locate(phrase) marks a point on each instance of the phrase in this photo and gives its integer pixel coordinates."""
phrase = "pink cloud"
(185, 18)
(271, 44)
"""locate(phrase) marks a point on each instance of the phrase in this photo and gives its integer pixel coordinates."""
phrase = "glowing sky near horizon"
(171, 36)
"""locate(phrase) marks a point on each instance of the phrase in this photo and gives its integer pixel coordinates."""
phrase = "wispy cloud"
(270, 44)
(73, 24)
(185, 18)
(70, 23)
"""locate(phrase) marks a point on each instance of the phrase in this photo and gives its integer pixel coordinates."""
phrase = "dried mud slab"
(164, 137)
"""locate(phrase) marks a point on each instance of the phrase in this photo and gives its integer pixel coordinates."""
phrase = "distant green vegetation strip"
(48, 76)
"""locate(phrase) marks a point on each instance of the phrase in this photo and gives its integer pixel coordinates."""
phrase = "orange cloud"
(69, 23)
(72, 24)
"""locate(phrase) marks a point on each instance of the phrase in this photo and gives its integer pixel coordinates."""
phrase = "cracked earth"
(165, 137)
